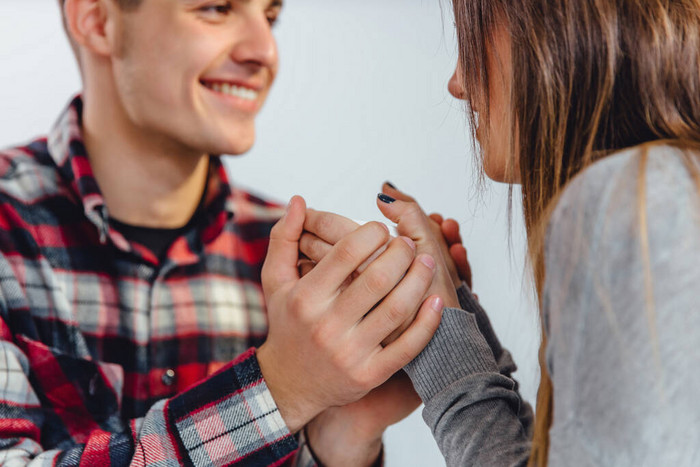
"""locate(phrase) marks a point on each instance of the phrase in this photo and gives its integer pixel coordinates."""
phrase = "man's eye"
(217, 9)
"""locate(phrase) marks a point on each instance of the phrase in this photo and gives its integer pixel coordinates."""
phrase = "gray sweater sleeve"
(623, 341)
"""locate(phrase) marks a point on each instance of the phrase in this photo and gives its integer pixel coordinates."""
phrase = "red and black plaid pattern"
(109, 356)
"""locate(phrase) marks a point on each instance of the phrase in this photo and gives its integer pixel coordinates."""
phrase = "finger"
(459, 256)
(407, 347)
(450, 230)
(280, 265)
(313, 247)
(398, 310)
(346, 255)
(396, 193)
(316, 249)
(409, 217)
(436, 217)
(328, 226)
(380, 277)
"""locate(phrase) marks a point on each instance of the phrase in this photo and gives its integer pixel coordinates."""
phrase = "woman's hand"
(428, 236)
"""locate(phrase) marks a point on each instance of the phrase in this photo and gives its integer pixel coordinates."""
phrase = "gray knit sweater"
(623, 327)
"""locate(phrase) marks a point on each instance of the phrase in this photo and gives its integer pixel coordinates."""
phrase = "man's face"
(194, 73)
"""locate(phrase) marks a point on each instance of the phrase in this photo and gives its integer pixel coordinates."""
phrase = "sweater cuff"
(467, 300)
(457, 349)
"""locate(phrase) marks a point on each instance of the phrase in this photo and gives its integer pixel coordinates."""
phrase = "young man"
(132, 289)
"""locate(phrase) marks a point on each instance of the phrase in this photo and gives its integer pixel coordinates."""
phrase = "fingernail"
(428, 261)
(385, 199)
(410, 242)
(436, 304)
(389, 184)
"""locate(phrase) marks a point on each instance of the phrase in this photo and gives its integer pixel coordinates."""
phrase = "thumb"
(407, 215)
(283, 252)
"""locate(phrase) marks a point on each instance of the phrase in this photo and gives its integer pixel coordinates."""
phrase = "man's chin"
(232, 148)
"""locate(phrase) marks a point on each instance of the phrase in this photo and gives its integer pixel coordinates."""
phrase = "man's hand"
(441, 239)
(324, 343)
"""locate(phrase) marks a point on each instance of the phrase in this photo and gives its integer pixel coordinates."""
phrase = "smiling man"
(133, 298)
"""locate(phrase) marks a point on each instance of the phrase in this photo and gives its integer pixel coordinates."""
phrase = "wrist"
(336, 440)
(293, 409)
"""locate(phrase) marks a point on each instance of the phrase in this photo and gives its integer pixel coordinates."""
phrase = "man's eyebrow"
(276, 4)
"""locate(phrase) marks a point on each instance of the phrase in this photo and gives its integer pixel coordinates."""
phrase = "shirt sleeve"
(229, 418)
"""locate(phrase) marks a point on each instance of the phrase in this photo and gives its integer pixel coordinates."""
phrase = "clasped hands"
(340, 333)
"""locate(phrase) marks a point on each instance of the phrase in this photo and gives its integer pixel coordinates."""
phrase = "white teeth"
(232, 90)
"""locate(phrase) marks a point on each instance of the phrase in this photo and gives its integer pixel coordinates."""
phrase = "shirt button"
(168, 377)
(92, 388)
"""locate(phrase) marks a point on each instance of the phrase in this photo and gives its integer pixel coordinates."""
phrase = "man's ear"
(87, 23)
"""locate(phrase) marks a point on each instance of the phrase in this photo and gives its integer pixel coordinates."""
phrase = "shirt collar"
(67, 149)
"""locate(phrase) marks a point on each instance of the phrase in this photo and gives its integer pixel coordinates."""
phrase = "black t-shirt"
(155, 239)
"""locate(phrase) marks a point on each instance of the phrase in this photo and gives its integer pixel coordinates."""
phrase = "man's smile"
(230, 89)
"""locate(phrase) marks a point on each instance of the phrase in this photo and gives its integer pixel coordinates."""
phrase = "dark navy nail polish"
(385, 198)
(390, 185)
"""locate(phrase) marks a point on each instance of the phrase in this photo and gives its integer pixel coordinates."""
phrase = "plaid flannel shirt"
(109, 356)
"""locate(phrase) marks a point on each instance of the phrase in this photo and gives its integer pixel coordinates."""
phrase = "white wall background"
(361, 98)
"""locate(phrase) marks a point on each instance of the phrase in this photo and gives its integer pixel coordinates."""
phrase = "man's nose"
(257, 44)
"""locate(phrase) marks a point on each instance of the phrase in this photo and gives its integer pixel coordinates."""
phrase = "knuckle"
(342, 361)
(377, 283)
(345, 253)
(361, 380)
(395, 314)
(297, 301)
(309, 245)
(319, 336)
(412, 208)
(276, 231)
(322, 223)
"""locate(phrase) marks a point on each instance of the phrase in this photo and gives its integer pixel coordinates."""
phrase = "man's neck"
(146, 180)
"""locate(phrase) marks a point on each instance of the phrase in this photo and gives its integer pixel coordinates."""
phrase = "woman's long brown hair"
(589, 77)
